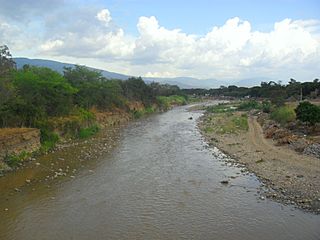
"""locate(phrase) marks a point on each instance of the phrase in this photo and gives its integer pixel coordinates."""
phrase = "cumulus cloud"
(232, 50)
(104, 16)
(51, 44)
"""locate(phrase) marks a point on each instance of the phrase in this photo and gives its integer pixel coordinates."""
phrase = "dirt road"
(294, 177)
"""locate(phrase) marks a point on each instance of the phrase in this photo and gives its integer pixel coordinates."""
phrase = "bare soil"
(5, 132)
(292, 178)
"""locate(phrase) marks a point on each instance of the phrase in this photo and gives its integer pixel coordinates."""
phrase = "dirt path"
(283, 154)
(294, 177)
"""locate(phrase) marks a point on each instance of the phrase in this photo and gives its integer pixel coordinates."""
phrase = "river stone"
(313, 149)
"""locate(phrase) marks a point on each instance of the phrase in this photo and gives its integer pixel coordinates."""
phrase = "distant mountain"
(250, 82)
(188, 82)
(182, 82)
(58, 66)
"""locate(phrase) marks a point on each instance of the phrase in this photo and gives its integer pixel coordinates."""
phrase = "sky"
(220, 39)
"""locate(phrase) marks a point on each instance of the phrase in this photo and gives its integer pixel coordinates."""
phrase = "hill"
(182, 82)
(58, 66)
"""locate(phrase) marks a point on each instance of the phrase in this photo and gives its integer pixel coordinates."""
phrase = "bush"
(48, 140)
(166, 102)
(221, 108)
(15, 159)
(249, 105)
(283, 115)
(266, 106)
(88, 132)
(138, 114)
(278, 100)
(308, 112)
(241, 122)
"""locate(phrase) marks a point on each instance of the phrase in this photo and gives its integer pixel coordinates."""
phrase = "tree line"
(274, 91)
(30, 95)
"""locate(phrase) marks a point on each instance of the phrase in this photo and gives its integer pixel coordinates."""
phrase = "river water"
(158, 181)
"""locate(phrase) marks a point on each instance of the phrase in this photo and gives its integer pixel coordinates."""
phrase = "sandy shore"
(291, 178)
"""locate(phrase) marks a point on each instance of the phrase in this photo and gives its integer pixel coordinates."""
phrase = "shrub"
(308, 112)
(278, 100)
(249, 105)
(266, 106)
(221, 108)
(138, 114)
(166, 102)
(241, 122)
(150, 109)
(48, 140)
(15, 159)
(88, 132)
(283, 115)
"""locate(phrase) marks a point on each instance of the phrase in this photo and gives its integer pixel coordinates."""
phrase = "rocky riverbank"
(17, 141)
(290, 177)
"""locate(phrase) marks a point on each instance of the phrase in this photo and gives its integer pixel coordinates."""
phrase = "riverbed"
(156, 179)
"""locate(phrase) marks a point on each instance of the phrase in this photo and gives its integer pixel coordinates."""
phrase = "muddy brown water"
(159, 180)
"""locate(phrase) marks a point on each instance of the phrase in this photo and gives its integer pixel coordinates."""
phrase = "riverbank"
(290, 177)
(63, 132)
(157, 181)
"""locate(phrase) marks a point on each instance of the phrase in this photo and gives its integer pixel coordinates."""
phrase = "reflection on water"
(158, 181)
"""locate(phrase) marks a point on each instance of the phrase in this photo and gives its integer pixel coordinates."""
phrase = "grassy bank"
(166, 102)
(228, 122)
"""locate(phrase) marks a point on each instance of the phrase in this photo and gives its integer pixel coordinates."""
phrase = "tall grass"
(222, 123)
(283, 115)
(88, 132)
(15, 159)
(221, 108)
(166, 102)
(249, 105)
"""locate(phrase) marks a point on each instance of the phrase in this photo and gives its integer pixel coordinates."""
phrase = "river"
(159, 180)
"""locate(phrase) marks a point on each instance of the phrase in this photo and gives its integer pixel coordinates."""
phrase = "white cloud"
(15, 37)
(232, 50)
(51, 44)
(160, 74)
(104, 16)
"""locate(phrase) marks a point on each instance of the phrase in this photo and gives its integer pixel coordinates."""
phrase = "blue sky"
(204, 39)
(199, 16)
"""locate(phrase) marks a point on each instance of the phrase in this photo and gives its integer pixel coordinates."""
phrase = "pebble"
(28, 181)
(37, 164)
(6, 209)
(224, 182)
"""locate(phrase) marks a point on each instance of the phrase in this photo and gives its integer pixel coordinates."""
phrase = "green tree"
(8, 93)
(81, 75)
(94, 89)
(137, 89)
(6, 61)
(308, 112)
(7, 66)
(45, 90)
